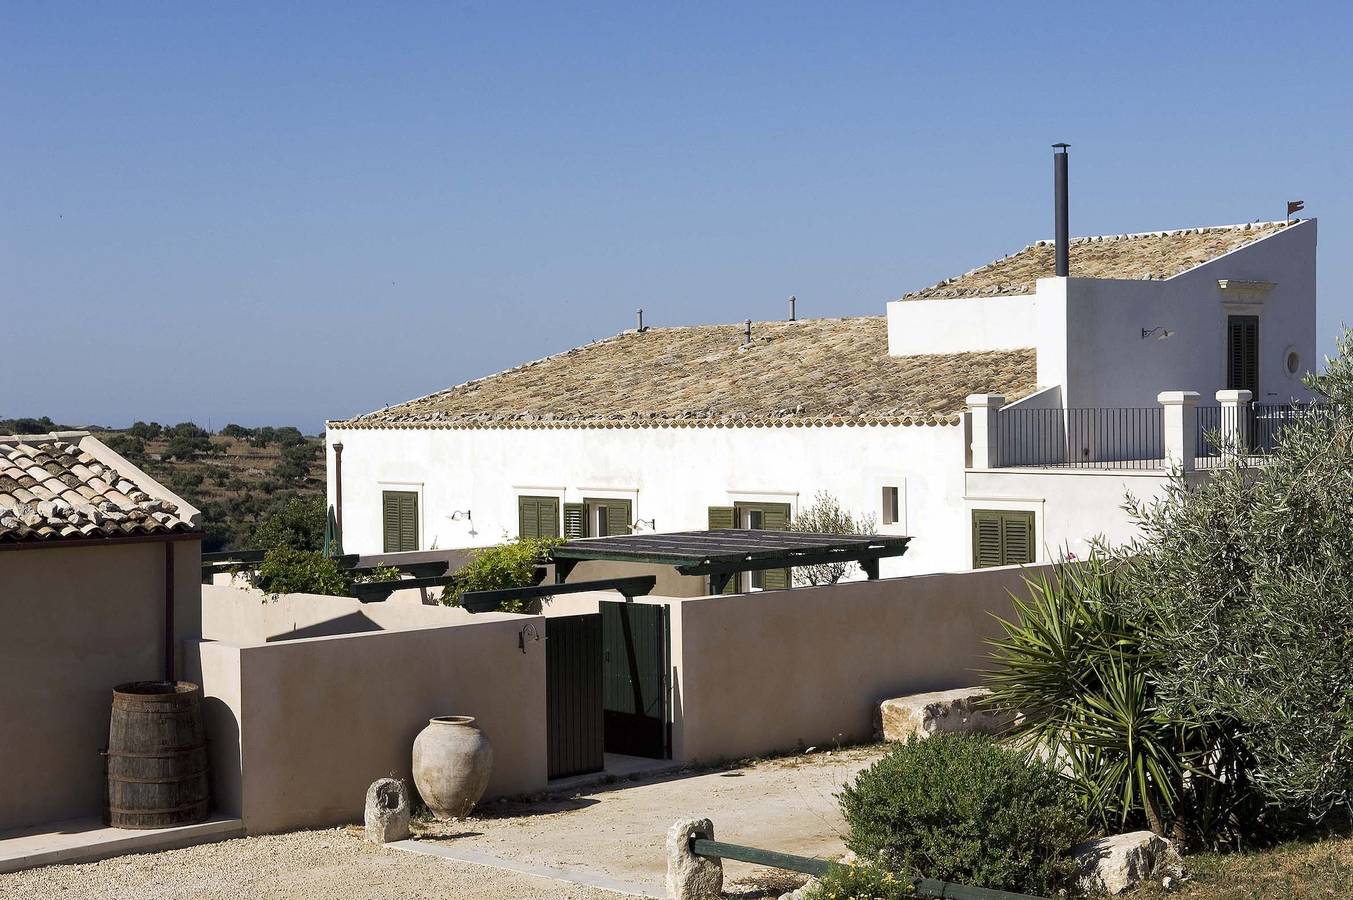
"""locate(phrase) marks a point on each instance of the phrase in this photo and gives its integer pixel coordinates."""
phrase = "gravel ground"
(334, 863)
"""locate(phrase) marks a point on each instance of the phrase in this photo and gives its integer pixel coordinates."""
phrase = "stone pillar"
(1235, 421)
(984, 410)
(691, 877)
(387, 811)
(1181, 428)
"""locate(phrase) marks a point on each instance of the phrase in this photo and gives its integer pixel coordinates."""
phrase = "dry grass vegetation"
(1299, 871)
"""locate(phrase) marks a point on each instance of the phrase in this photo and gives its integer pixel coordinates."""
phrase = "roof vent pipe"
(792, 301)
(640, 326)
(749, 331)
(1059, 180)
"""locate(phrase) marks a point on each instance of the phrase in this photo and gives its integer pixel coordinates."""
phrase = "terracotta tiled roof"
(809, 372)
(65, 486)
(1153, 254)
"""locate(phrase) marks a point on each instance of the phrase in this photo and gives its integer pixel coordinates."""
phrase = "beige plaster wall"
(242, 615)
(779, 669)
(76, 622)
(315, 720)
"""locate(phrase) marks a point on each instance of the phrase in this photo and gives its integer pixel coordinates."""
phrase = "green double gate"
(607, 686)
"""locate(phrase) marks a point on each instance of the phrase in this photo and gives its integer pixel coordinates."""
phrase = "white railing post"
(986, 429)
(1235, 424)
(1181, 428)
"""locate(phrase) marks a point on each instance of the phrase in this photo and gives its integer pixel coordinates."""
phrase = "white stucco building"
(925, 418)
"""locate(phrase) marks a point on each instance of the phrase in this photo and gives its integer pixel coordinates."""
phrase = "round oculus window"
(1293, 362)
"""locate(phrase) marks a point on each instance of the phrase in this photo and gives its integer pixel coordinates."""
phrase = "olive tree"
(825, 516)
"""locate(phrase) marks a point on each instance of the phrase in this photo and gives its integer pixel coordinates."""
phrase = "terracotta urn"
(452, 760)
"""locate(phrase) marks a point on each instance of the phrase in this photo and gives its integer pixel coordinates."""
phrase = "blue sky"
(286, 213)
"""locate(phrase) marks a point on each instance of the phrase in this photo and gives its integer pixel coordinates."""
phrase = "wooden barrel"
(157, 756)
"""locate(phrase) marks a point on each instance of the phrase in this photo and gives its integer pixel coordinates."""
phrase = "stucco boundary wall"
(778, 670)
(298, 729)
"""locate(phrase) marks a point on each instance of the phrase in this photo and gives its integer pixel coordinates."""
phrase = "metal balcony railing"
(1092, 438)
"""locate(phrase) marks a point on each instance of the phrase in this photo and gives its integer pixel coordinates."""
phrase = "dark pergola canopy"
(723, 553)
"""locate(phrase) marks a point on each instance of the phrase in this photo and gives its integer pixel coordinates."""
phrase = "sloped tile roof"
(52, 489)
(809, 372)
(1153, 254)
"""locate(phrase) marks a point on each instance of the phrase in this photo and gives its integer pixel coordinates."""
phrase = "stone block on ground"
(691, 877)
(1115, 864)
(938, 712)
(387, 811)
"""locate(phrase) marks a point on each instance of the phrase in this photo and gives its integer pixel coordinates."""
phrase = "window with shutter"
(1002, 537)
(768, 517)
(575, 520)
(1242, 353)
(537, 517)
(724, 517)
(610, 516)
(399, 513)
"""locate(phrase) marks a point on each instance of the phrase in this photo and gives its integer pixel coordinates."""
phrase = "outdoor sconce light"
(650, 524)
(1160, 332)
(528, 633)
(459, 514)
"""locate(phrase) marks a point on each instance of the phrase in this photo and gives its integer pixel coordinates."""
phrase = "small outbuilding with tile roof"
(99, 585)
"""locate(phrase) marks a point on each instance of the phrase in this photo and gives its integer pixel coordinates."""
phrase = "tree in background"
(146, 431)
(187, 441)
(126, 444)
(238, 432)
(825, 516)
(296, 460)
(296, 523)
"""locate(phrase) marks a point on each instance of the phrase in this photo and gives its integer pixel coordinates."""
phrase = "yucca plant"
(1078, 675)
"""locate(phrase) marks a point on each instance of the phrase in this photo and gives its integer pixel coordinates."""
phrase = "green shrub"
(505, 566)
(288, 571)
(962, 808)
(861, 882)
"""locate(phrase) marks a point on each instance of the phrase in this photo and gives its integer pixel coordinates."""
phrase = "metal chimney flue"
(1063, 235)
(792, 301)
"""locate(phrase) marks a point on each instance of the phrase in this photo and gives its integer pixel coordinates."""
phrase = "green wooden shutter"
(390, 520)
(1017, 537)
(618, 517)
(721, 517)
(399, 514)
(775, 517)
(528, 518)
(1002, 538)
(1242, 353)
(724, 517)
(575, 520)
(549, 517)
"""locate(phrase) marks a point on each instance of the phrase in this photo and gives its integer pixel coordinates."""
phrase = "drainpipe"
(169, 611)
(338, 489)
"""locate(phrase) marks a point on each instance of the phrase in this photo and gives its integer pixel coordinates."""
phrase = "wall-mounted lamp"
(528, 633)
(650, 524)
(464, 514)
(1160, 333)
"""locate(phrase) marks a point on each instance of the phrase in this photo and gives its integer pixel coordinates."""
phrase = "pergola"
(725, 552)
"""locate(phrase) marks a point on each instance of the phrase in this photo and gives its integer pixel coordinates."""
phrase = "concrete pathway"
(613, 834)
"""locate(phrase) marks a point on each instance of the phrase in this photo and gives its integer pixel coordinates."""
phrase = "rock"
(387, 811)
(691, 877)
(1115, 864)
(941, 712)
